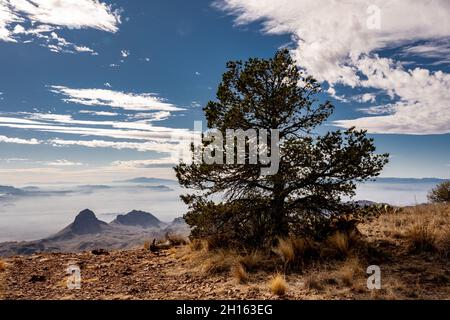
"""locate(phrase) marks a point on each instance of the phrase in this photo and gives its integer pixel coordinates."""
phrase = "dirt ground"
(177, 273)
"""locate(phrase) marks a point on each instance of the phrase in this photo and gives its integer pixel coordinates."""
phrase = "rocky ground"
(181, 273)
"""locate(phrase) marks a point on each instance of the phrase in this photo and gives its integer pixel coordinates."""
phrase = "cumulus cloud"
(30, 20)
(338, 41)
(115, 99)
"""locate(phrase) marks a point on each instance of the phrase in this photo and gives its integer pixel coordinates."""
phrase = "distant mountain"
(87, 232)
(85, 223)
(410, 180)
(138, 219)
(149, 180)
(12, 191)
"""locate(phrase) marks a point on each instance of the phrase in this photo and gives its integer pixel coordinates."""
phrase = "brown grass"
(146, 245)
(313, 282)
(350, 271)
(239, 273)
(339, 241)
(2, 266)
(176, 240)
(252, 261)
(278, 285)
(422, 237)
(285, 249)
(219, 261)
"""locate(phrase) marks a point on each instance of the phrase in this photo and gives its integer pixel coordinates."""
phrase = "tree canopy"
(233, 204)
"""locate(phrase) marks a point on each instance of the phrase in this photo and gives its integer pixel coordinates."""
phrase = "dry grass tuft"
(313, 282)
(339, 242)
(239, 273)
(252, 261)
(422, 237)
(146, 245)
(278, 285)
(219, 261)
(176, 240)
(285, 249)
(199, 245)
(350, 271)
(2, 266)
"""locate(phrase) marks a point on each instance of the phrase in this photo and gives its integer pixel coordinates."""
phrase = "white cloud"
(115, 99)
(5, 139)
(336, 43)
(99, 113)
(119, 145)
(197, 73)
(28, 20)
(150, 163)
(154, 116)
(125, 53)
(64, 163)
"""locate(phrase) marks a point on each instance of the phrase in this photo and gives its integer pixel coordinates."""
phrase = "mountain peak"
(138, 218)
(86, 222)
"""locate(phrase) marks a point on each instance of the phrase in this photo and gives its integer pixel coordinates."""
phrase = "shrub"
(441, 193)
(2, 266)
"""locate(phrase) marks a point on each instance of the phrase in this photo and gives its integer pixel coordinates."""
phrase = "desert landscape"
(195, 152)
(410, 245)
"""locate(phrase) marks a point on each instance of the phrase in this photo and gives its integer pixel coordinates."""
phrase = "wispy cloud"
(420, 97)
(99, 113)
(166, 162)
(5, 139)
(64, 163)
(115, 99)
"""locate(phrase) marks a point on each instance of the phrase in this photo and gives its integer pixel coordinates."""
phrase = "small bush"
(441, 193)
(239, 273)
(146, 245)
(278, 285)
(2, 266)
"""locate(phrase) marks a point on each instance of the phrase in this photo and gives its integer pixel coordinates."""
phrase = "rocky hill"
(87, 232)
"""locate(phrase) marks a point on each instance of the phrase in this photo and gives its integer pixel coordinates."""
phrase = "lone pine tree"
(315, 170)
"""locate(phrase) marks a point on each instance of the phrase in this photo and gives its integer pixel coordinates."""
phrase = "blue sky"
(97, 91)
